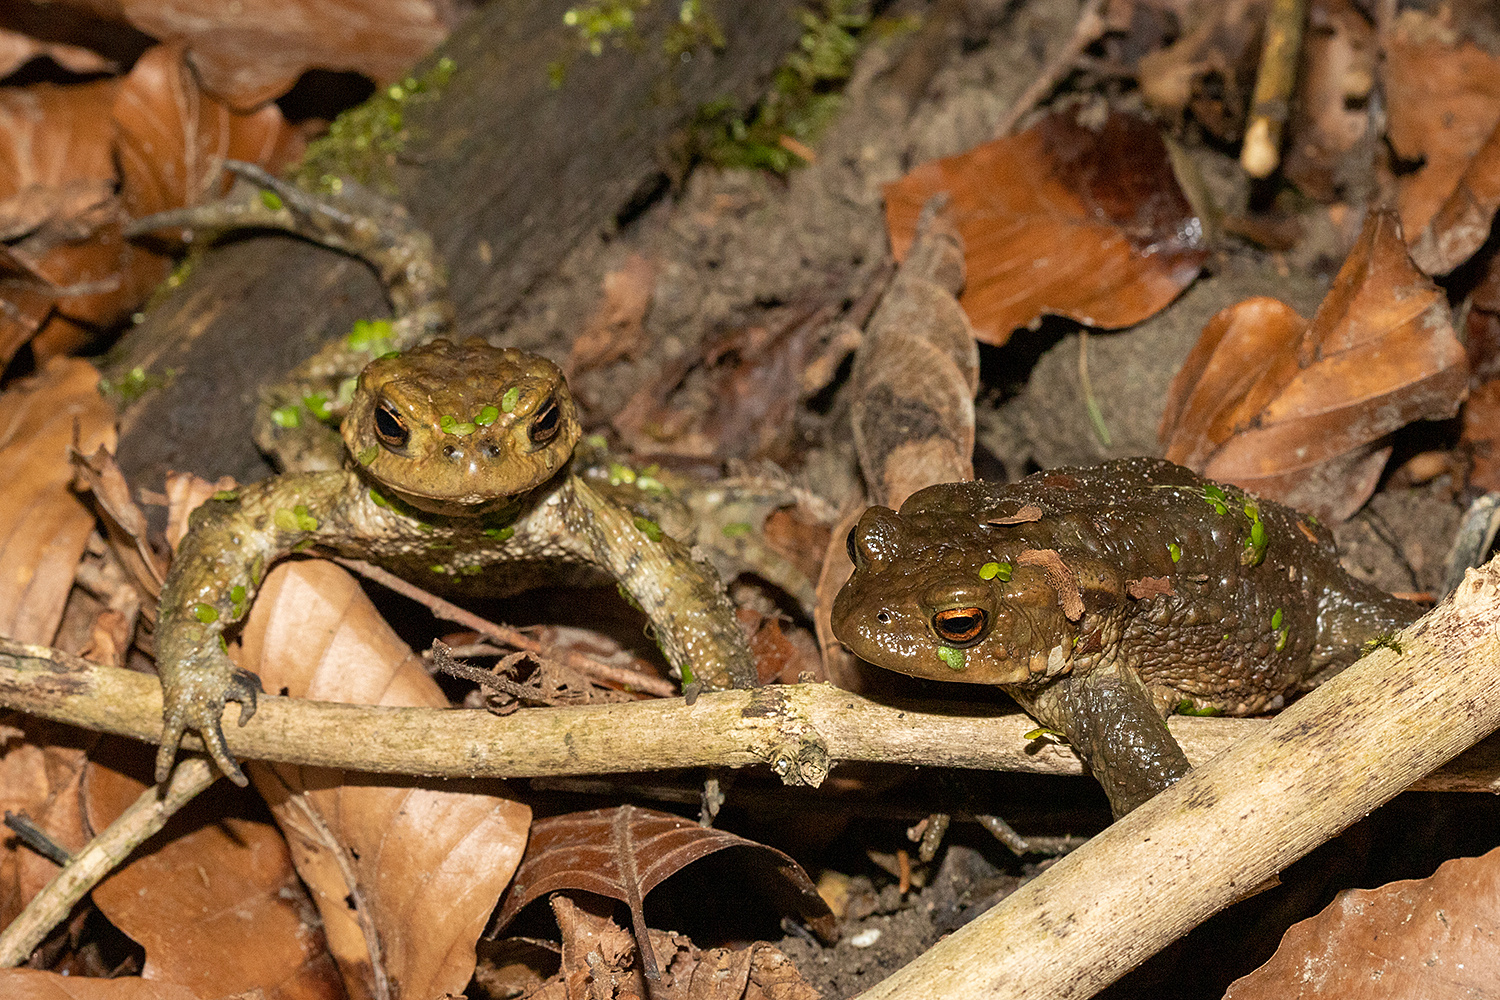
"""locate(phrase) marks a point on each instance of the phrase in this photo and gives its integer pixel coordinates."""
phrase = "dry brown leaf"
(615, 329)
(1332, 113)
(123, 519)
(1061, 219)
(1300, 415)
(1443, 101)
(626, 852)
(404, 871)
(219, 909)
(252, 52)
(42, 524)
(40, 774)
(1481, 435)
(34, 984)
(50, 135)
(598, 959)
(1432, 938)
(17, 49)
(173, 137)
(185, 494)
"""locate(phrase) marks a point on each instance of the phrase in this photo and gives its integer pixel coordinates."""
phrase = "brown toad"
(1103, 599)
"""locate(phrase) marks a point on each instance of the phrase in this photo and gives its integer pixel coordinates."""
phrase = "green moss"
(375, 337)
(206, 613)
(133, 385)
(1187, 707)
(288, 416)
(803, 99)
(226, 496)
(362, 142)
(648, 527)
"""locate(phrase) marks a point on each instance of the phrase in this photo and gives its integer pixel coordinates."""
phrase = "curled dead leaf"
(626, 852)
(1443, 101)
(1419, 937)
(1063, 219)
(1059, 577)
(43, 525)
(173, 137)
(1298, 411)
(422, 862)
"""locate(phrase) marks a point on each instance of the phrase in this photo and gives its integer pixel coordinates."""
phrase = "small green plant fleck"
(953, 657)
(995, 570)
(510, 399)
(486, 416)
(1281, 640)
(226, 496)
(1044, 734)
(1276, 618)
(368, 455)
(620, 474)
(1385, 642)
(736, 529)
(499, 534)
(320, 406)
(648, 527)
(452, 425)
(288, 416)
(270, 199)
(1187, 707)
(630, 598)
(133, 385)
(373, 336)
(206, 613)
(1175, 551)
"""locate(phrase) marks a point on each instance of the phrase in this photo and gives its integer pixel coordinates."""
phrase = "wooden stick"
(1274, 83)
(144, 817)
(798, 729)
(1230, 824)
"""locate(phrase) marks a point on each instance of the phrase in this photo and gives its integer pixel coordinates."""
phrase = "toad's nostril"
(451, 452)
(491, 451)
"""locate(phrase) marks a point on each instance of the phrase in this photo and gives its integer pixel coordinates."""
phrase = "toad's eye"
(390, 426)
(546, 422)
(960, 626)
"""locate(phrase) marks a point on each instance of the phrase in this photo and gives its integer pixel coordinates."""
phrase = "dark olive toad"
(1105, 598)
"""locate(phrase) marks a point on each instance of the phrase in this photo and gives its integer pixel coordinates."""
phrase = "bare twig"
(1088, 30)
(148, 814)
(632, 680)
(797, 729)
(1261, 153)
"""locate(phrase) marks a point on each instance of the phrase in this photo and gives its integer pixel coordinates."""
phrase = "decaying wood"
(1230, 824)
(800, 730)
(506, 171)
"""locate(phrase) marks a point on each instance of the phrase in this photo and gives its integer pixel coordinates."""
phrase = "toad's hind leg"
(297, 419)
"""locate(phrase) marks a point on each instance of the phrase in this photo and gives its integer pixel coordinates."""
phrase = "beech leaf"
(405, 871)
(1061, 219)
(43, 526)
(1431, 937)
(1443, 100)
(624, 853)
(1298, 411)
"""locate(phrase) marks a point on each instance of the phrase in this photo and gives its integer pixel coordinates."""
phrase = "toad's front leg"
(232, 541)
(694, 619)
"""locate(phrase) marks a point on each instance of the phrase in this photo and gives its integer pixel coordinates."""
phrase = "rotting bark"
(505, 171)
(1227, 826)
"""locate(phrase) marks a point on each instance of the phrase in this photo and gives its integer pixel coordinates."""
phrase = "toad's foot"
(195, 702)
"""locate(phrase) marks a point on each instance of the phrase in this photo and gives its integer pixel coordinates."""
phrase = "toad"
(458, 475)
(1104, 598)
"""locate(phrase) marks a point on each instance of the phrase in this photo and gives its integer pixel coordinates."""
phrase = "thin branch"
(148, 814)
(630, 680)
(1088, 30)
(799, 730)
